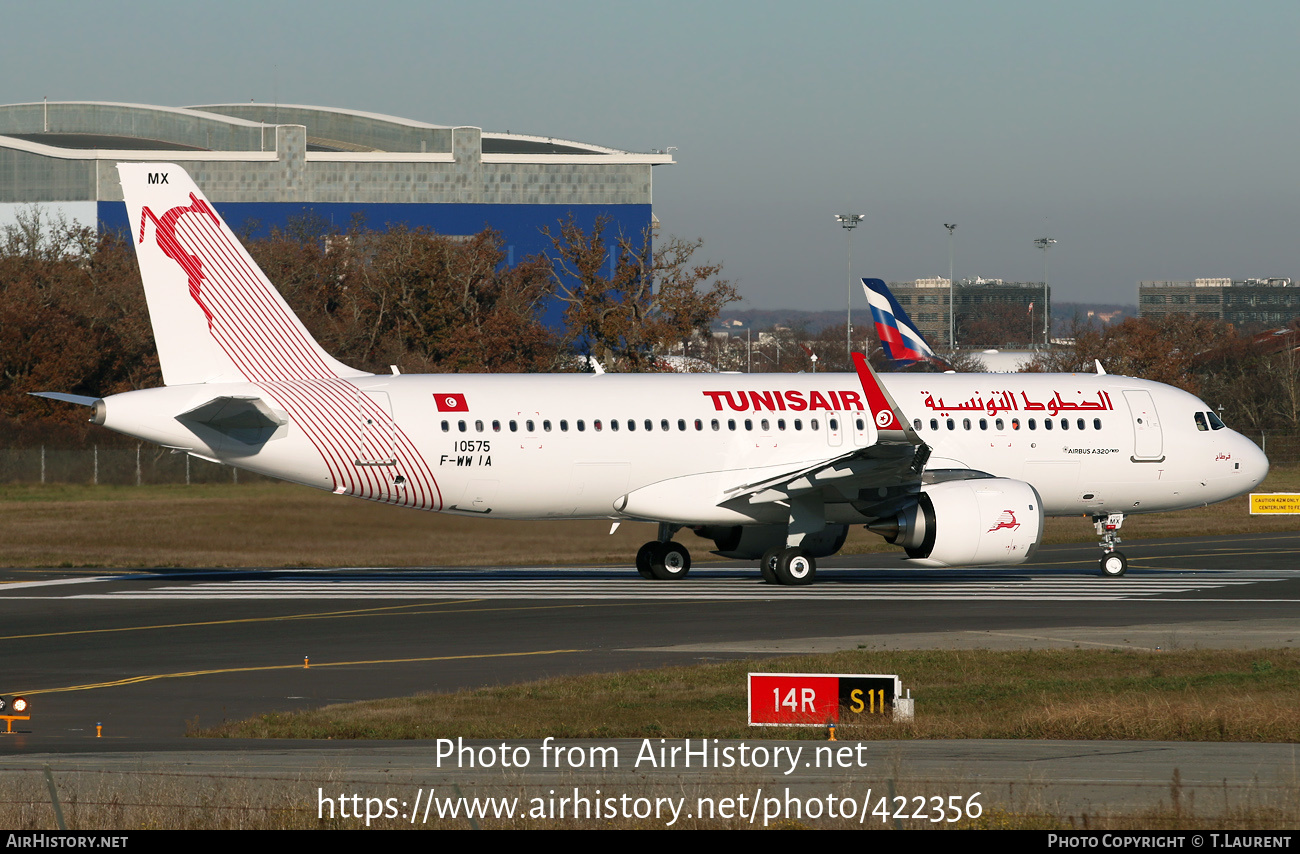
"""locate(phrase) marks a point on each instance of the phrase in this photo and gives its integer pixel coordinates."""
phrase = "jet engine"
(984, 522)
(750, 542)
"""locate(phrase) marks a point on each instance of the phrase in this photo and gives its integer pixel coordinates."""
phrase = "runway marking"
(355, 612)
(741, 587)
(134, 680)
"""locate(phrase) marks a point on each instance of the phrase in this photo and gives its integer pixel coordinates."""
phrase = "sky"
(1152, 140)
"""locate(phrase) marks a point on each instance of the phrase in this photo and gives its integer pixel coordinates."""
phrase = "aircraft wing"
(877, 479)
(897, 459)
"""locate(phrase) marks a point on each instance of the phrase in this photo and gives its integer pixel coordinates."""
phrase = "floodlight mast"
(952, 303)
(849, 222)
(1044, 243)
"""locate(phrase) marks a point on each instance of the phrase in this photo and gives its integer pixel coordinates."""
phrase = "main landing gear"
(1113, 563)
(790, 566)
(663, 559)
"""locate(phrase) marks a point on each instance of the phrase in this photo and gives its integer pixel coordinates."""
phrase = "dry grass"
(1191, 695)
(271, 525)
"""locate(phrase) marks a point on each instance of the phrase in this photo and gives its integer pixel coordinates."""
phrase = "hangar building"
(262, 165)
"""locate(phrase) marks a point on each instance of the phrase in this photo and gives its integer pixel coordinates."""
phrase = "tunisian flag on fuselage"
(451, 403)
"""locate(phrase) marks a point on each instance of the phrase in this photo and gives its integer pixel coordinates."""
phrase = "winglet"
(884, 411)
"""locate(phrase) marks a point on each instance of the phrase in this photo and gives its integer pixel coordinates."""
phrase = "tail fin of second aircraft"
(216, 317)
(902, 340)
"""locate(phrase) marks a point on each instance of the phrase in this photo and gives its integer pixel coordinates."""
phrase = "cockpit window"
(1215, 421)
(1200, 422)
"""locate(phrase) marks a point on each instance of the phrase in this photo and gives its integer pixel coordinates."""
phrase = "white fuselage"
(669, 447)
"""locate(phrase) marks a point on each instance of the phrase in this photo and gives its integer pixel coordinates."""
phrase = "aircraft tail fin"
(216, 317)
(903, 342)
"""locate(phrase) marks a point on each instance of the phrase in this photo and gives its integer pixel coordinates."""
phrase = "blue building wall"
(520, 225)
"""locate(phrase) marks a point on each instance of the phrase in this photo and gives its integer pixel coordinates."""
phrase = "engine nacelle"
(984, 522)
(750, 542)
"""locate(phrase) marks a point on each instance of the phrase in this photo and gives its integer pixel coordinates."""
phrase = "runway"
(144, 654)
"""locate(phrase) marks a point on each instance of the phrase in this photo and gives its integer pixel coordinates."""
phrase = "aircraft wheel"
(670, 561)
(793, 567)
(767, 565)
(644, 556)
(1114, 565)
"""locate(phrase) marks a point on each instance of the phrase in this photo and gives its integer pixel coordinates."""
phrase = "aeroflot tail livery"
(959, 469)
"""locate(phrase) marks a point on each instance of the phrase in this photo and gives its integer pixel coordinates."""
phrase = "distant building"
(926, 301)
(269, 165)
(1238, 301)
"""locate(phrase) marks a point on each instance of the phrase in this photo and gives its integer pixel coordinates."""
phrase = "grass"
(1184, 695)
(273, 525)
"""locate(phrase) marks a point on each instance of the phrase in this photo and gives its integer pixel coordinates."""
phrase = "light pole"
(952, 303)
(849, 222)
(1043, 243)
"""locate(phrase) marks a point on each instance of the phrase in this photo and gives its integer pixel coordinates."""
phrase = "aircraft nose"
(1254, 462)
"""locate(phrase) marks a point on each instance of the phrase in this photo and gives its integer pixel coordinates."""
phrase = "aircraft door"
(376, 430)
(834, 429)
(1148, 440)
(858, 424)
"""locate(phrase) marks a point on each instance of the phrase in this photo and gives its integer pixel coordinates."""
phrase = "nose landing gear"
(1113, 563)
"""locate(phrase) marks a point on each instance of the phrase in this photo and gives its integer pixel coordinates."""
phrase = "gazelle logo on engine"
(1006, 521)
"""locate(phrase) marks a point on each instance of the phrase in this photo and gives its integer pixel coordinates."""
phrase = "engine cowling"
(985, 522)
(750, 542)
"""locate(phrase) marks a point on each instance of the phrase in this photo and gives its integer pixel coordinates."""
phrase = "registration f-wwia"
(959, 469)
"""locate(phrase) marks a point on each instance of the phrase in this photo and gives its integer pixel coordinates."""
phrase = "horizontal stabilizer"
(79, 399)
(244, 419)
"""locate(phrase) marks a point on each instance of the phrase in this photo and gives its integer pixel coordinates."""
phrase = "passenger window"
(965, 423)
(984, 424)
(731, 424)
(1033, 425)
(564, 425)
(835, 423)
(546, 426)
(699, 425)
(798, 424)
(478, 426)
(663, 425)
(1079, 424)
(631, 425)
(681, 424)
(1047, 424)
(446, 427)
(1096, 423)
(582, 425)
(812, 424)
(862, 425)
(496, 426)
(952, 425)
(613, 424)
(461, 425)
(765, 425)
(598, 425)
(934, 423)
(1065, 424)
(780, 423)
(999, 425)
(530, 426)
(916, 423)
(749, 424)
(514, 426)
(714, 424)
(1015, 423)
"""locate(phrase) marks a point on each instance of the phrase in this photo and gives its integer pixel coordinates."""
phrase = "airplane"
(958, 469)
